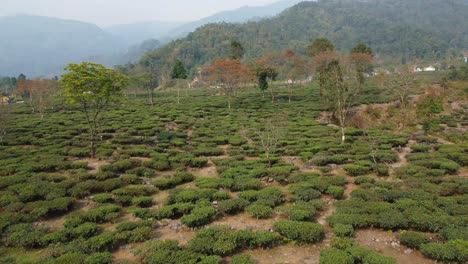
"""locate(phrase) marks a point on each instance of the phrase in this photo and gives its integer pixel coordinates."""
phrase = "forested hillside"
(406, 30)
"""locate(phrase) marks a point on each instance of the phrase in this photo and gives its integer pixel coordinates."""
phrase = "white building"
(429, 69)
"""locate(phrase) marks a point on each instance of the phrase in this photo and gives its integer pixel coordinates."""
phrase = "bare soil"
(174, 230)
(293, 254)
(124, 253)
(388, 244)
(94, 164)
(207, 171)
(245, 221)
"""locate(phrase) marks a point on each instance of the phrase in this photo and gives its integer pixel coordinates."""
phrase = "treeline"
(402, 30)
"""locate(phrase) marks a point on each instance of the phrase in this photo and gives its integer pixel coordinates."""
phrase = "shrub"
(342, 242)
(259, 211)
(376, 258)
(102, 242)
(214, 183)
(99, 258)
(25, 235)
(70, 258)
(172, 211)
(335, 256)
(214, 241)
(242, 259)
(341, 230)
(199, 216)
(357, 170)
(84, 230)
(103, 198)
(301, 232)
(143, 201)
(171, 182)
(413, 239)
(102, 214)
(454, 250)
(221, 195)
(232, 206)
(392, 220)
(336, 191)
(363, 179)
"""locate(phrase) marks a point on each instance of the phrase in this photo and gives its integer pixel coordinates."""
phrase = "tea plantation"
(191, 183)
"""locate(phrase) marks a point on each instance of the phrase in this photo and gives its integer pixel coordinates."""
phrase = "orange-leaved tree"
(39, 93)
(229, 74)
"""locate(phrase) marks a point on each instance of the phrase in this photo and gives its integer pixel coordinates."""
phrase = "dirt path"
(287, 254)
(94, 164)
(388, 244)
(208, 171)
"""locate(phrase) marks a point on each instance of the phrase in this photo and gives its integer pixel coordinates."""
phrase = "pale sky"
(110, 12)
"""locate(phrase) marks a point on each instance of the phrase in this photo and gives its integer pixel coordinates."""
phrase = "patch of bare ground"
(388, 244)
(159, 199)
(125, 253)
(142, 158)
(174, 230)
(208, 171)
(94, 164)
(297, 161)
(288, 253)
(244, 221)
(349, 188)
(53, 224)
(83, 204)
(322, 219)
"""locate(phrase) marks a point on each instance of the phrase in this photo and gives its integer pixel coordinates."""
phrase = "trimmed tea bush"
(301, 232)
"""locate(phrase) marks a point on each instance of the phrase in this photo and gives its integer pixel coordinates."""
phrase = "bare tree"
(268, 135)
(401, 86)
(39, 93)
(342, 81)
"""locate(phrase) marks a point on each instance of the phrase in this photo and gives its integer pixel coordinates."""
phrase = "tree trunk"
(272, 95)
(343, 136)
(178, 94)
(151, 97)
(93, 146)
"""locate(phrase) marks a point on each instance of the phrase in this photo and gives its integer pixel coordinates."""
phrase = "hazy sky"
(109, 12)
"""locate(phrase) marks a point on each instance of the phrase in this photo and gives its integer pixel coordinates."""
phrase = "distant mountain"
(136, 33)
(398, 29)
(240, 15)
(134, 52)
(37, 46)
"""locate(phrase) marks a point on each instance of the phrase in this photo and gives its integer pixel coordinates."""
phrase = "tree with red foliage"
(229, 74)
(39, 93)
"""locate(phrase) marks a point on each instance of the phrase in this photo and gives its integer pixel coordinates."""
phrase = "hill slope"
(240, 15)
(37, 45)
(398, 28)
(136, 33)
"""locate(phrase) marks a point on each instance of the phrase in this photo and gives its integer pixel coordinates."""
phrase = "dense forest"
(402, 30)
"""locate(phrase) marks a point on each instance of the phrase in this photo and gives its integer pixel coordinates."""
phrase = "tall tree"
(229, 74)
(359, 56)
(178, 73)
(342, 85)
(265, 71)
(294, 67)
(320, 45)
(236, 51)
(40, 93)
(92, 87)
(323, 52)
(400, 86)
